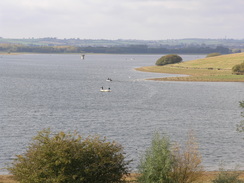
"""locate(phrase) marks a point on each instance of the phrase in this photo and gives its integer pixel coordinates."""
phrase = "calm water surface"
(62, 92)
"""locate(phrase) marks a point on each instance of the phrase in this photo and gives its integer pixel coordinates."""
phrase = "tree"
(157, 163)
(164, 163)
(240, 127)
(64, 158)
(187, 161)
(238, 69)
(168, 59)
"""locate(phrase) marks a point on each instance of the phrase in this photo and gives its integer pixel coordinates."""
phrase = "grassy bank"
(206, 178)
(212, 69)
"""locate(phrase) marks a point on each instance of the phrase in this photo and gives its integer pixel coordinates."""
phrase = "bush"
(168, 59)
(241, 104)
(164, 163)
(156, 165)
(240, 127)
(238, 69)
(213, 54)
(64, 158)
(187, 161)
(227, 177)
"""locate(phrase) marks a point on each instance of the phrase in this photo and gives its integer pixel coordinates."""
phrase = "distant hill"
(122, 46)
(179, 43)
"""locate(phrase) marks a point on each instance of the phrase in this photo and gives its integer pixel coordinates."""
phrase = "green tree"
(168, 59)
(167, 163)
(238, 69)
(64, 158)
(240, 127)
(157, 163)
(242, 104)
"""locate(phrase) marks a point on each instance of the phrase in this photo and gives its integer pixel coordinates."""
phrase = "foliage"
(168, 59)
(242, 104)
(227, 177)
(240, 127)
(157, 164)
(63, 158)
(53, 45)
(187, 165)
(238, 69)
(213, 54)
(164, 163)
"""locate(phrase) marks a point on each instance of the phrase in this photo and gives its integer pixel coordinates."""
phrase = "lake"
(62, 92)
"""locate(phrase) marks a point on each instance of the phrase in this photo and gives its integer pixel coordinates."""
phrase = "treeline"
(130, 49)
(162, 50)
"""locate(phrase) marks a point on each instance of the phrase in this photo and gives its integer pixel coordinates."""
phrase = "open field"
(206, 178)
(212, 69)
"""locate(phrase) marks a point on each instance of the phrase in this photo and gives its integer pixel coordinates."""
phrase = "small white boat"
(105, 90)
(109, 79)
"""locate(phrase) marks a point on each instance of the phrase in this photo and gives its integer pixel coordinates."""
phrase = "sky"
(122, 19)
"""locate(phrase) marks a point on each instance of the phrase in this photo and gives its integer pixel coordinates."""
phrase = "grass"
(206, 178)
(211, 69)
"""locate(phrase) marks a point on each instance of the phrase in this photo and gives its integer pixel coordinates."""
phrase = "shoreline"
(207, 177)
(192, 75)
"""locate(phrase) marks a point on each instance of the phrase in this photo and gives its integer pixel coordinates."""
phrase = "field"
(212, 69)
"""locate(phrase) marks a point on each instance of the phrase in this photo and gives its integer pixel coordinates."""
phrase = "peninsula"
(211, 69)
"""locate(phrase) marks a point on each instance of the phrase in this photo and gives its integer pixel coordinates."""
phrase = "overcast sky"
(122, 19)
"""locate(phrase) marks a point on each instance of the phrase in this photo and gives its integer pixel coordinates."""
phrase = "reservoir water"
(62, 92)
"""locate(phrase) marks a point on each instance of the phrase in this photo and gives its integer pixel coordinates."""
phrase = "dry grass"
(206, 177)
(212, 69)
(218, 62)
(7, 179)
(4, 53)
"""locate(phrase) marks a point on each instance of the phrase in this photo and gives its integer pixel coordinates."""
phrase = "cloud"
(128, 19)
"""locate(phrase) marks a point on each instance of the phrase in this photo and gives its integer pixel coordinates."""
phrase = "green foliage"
(240, 127)
(168, 59)
(64, 158)
(242, 104)
(227, 177)
(238, 69)
(156, 165)
(164, 163)
(213, 54)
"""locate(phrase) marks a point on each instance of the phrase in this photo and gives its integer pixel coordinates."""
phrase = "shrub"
(187, 161)
(156, 165)
(241, 104)
(238, 69)
(227, 177)
(164, 163)
(213, 54)
(240, 127)
(63, 158)
(168, 59)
